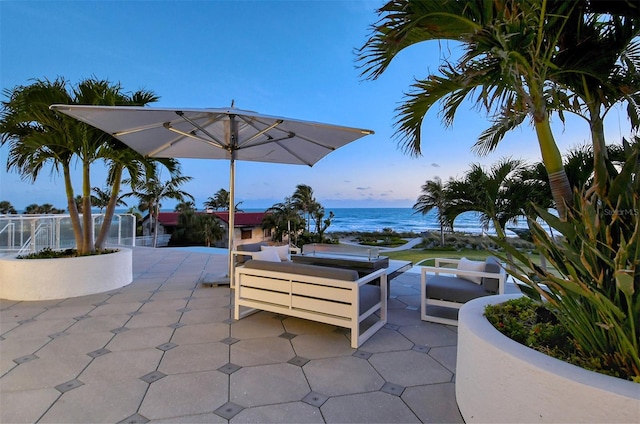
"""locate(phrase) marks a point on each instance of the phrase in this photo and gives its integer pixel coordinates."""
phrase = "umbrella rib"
(184, 134)
(260, 132)
(198, 126)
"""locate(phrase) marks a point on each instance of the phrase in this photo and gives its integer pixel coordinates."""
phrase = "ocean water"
(399, 220)
(404, 220)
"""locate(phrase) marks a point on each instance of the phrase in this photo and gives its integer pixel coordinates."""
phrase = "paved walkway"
(166, 349)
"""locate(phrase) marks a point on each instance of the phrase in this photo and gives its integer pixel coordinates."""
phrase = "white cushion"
(468, 265)
(283, 251)
(270, 255)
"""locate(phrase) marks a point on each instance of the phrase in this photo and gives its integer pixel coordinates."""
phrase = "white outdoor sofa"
(330, 295)
(444, 286)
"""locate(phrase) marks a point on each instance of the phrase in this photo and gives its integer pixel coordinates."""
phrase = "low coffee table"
(361, 264)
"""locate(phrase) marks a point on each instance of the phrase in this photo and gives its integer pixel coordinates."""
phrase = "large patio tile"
(185, 394)
(205, 315)
(386, 341)
(26, 406)
(117, 308)
(341, 376)
(98, 324)
(374, 407)
(402, 316)
(261, 324)
(268, 350)
(117, 367)
(409, 368)
(304, 326)
(435, 403)
(268, 384)
(293, 412)
(20, 312)
(44, 373)
(167, 292)
(134, 296)
(140, 338)
(194, 357)
(164, 305)
(215, 302)
(218, 292)
(200, 333)
(413, 300)
(74, 344)
(17, 348)
(154, 319)
(39, 328)
(430, 334)
(208, 418)
(316, 346)
(97, 403)
(446, 355)
(66, 312)
(86, 300)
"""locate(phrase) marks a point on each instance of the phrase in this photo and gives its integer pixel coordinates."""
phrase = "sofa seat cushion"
(304, 269)
(453, 289)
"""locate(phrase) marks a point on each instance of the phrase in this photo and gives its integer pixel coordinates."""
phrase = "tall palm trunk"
(110, 210)
(552, 159)
(71, 205)
(599, 153)
(87, 219)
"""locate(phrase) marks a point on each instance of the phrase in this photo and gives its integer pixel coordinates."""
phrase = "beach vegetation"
(151, 191)
(220, 201)
(43, 209)
(282, 218)
(434, 197)
(7, 208)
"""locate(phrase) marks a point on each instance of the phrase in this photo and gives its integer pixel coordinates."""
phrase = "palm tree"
(7, 208)
(152, 191)
(489, 193)
(284, 218)
(38, 136)
(509, 47)
(305, 202)
(434, 196)
(185, 207)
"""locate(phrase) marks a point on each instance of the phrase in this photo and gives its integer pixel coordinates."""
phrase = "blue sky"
(288, 58)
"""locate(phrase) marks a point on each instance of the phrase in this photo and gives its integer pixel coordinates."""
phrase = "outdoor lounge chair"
(447, 287)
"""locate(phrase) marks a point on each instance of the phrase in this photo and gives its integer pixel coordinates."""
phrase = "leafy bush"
(532, 324)
(48, 253)
(595, 291)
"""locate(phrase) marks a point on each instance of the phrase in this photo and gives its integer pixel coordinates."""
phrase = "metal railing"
(32, 233)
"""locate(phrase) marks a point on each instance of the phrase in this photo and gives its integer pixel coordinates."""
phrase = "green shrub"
(595, 289)
(48, 253)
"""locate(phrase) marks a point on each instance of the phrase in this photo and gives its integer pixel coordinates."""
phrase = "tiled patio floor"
(166, 349)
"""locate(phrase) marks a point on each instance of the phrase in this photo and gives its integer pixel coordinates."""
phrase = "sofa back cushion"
(248, 247)
(492, 285)
(304, 269)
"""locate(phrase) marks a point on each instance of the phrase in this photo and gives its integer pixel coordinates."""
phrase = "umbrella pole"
(233, 140)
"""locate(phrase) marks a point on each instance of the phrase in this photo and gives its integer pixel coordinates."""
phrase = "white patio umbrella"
(230, 133)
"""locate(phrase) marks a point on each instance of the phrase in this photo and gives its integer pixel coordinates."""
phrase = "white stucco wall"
(501, 381)
(44, 279)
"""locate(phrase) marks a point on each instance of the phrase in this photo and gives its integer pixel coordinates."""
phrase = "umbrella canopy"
(230, 133)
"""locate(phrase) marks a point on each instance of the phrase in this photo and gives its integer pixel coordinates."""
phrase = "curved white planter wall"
(501, 381)
(45, 279)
